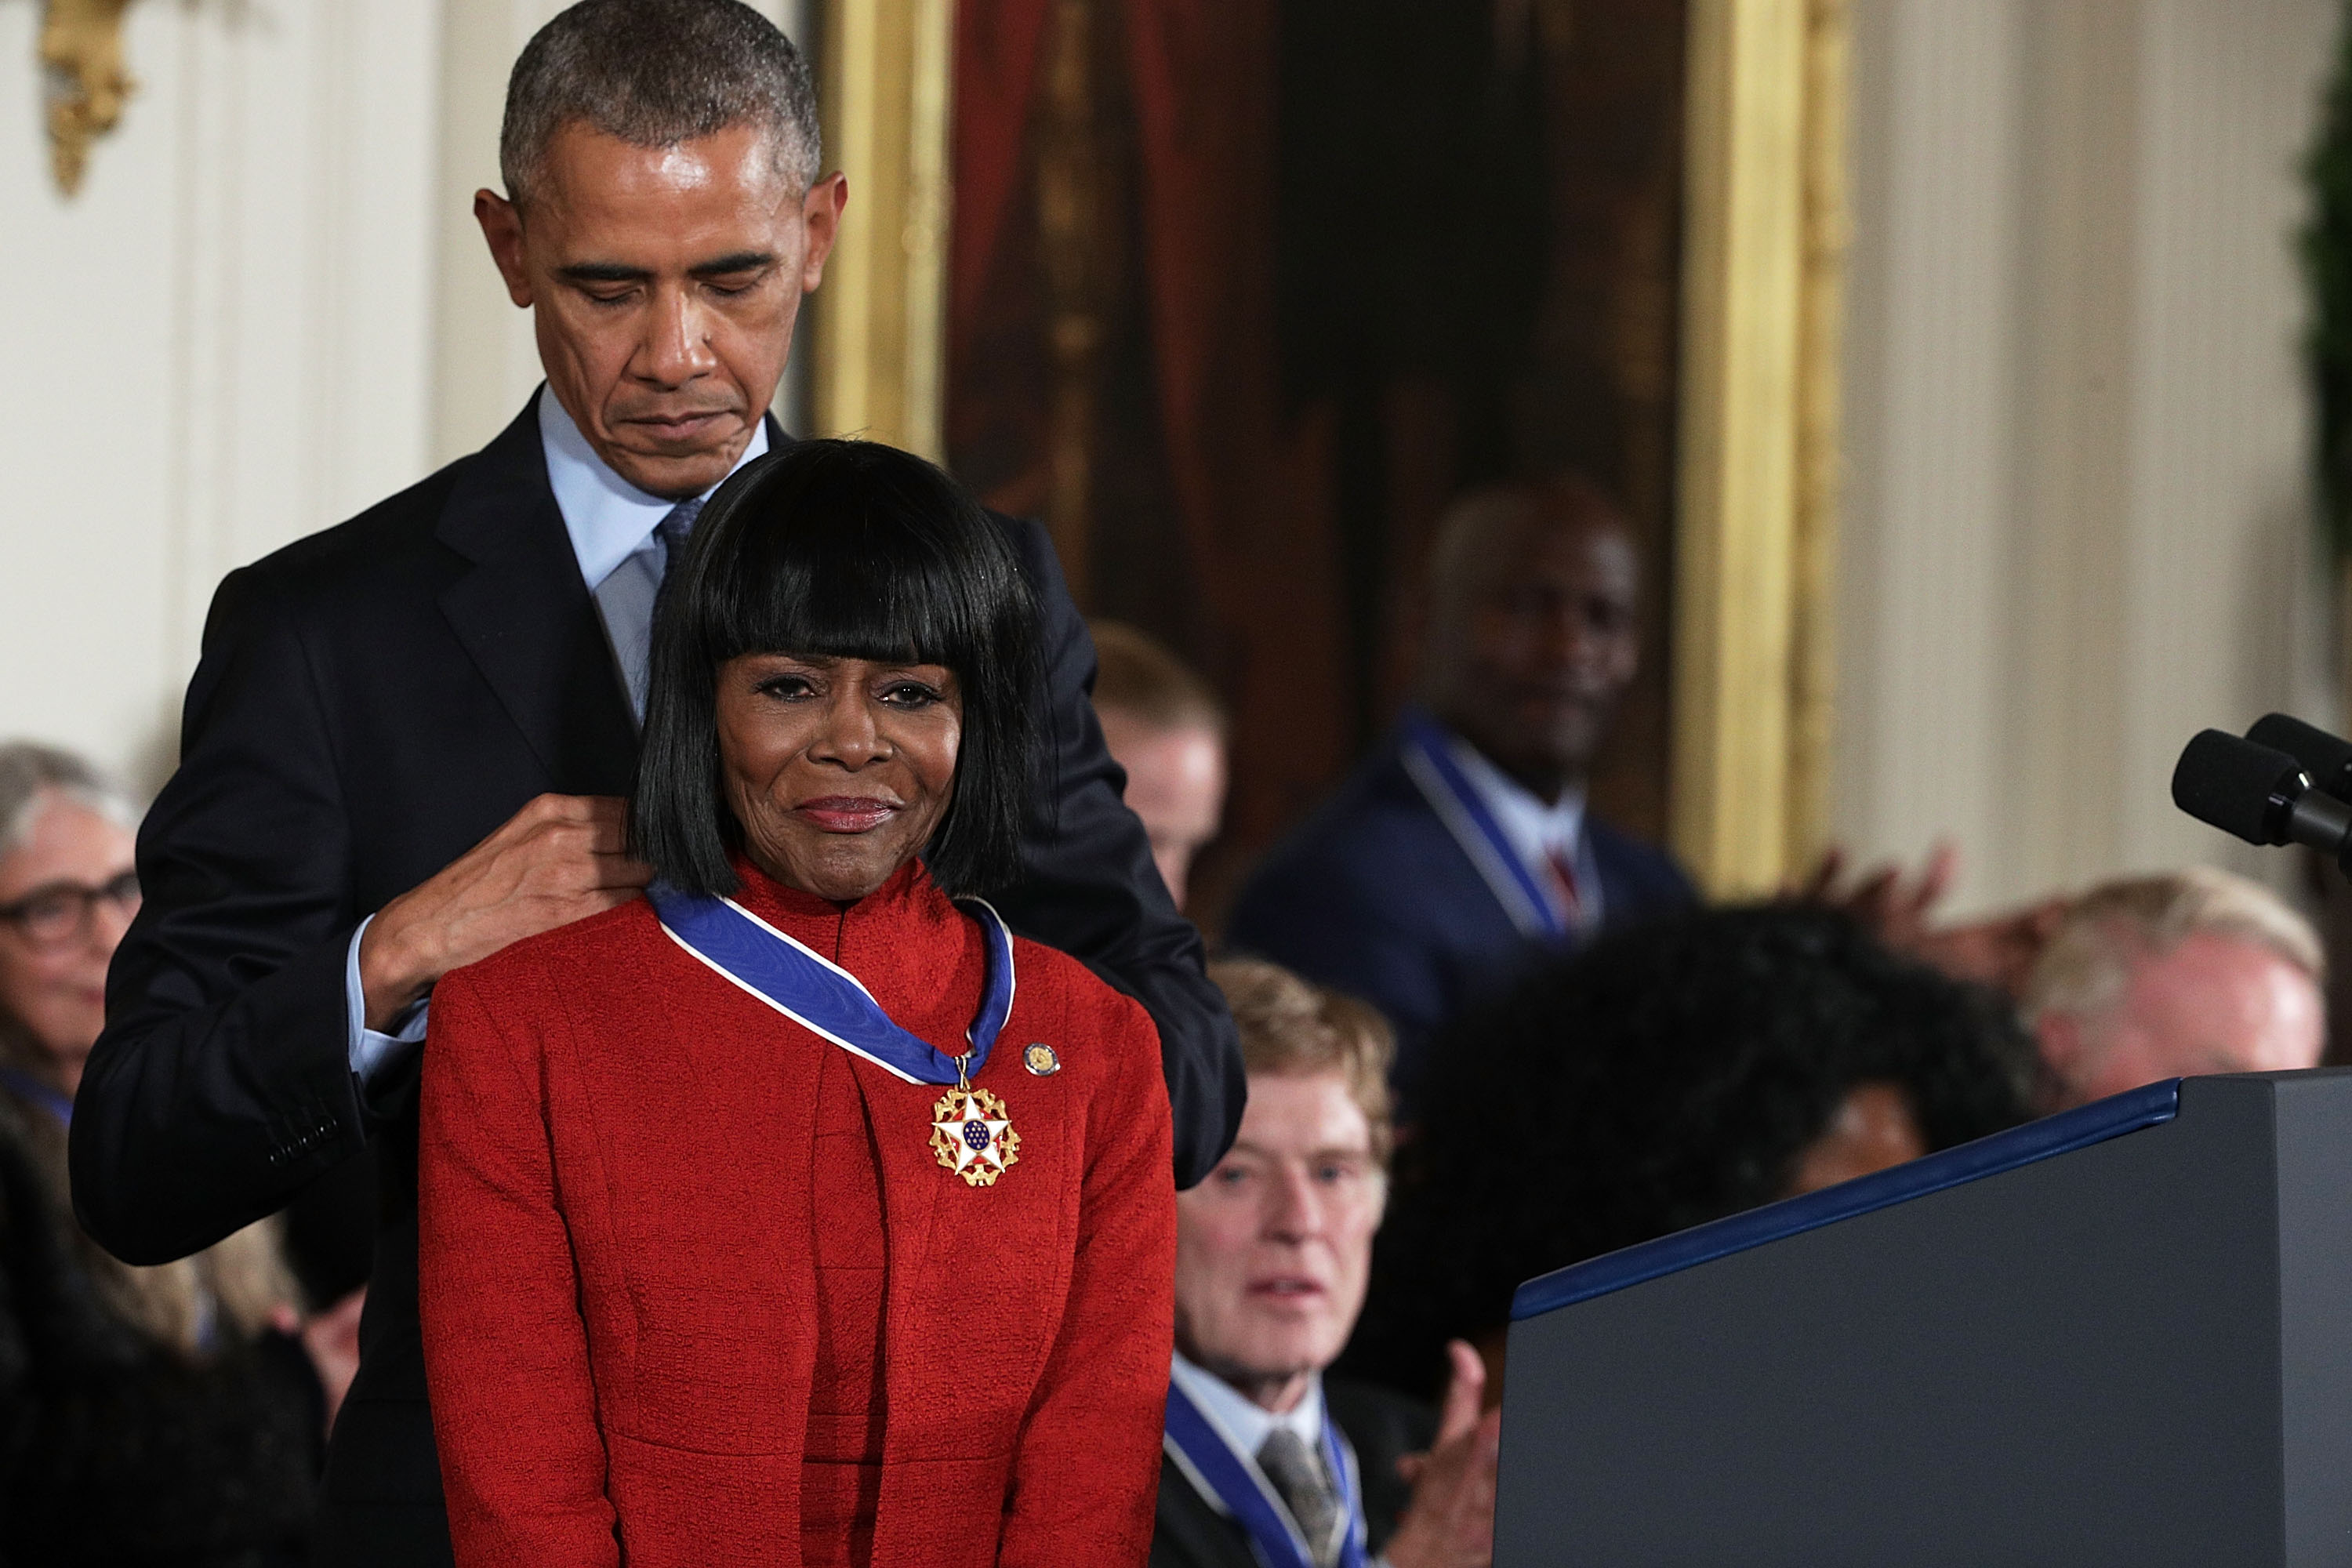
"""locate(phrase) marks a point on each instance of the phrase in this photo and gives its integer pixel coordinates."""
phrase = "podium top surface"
(2052, 1135)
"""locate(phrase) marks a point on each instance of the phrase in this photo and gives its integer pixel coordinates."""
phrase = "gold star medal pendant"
(972, 1132)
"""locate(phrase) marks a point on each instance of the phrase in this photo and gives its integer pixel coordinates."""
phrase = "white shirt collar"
(1535, 830)
(608, 518)
(1243, 1426)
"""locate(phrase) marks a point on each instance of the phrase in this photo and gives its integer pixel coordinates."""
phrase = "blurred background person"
(2154, 977)
(1166, 728)
(1999, 949)
(1661, 1078)
(1460, 853)
(1272, 1254)
(147, 1416)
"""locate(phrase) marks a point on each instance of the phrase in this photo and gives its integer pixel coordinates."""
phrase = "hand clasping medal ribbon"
(971, 1130)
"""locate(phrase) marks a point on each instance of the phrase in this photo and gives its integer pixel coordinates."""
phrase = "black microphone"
(2326, 758)
(2260, 793)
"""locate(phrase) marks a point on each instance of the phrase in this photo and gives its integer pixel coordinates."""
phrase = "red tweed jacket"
(621, 1209)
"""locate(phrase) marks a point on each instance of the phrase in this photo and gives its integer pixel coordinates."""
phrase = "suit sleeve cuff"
(374, 1051)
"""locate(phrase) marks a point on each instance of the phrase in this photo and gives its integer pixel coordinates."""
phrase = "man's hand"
(557, 860)
(1896, 910)
(1998, 951)
(1450, 1523)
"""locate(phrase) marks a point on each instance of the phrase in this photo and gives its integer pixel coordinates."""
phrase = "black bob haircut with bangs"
(845, 549)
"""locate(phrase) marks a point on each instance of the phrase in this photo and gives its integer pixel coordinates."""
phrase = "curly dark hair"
(1661, 1077)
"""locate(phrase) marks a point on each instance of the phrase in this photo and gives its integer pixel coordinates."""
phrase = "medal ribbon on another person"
(1250, 1498)
(54, 1100)
(971, 1132)
(1518, 887)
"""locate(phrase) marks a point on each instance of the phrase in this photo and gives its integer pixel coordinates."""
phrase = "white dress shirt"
(1539, 832)
(1246, 1425)
(609, 519)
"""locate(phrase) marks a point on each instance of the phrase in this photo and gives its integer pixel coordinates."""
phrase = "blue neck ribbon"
(1246, 1494)
(826, 999)
(1428, 758)
(54, 1100)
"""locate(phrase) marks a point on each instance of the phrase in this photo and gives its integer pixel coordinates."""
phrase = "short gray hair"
(2087, 964)
(655, 73)
(30, 770)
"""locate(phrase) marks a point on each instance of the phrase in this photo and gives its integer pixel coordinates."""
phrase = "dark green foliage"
(2328, 267)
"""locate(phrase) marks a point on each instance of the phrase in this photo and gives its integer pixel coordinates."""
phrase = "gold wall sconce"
(81, 58)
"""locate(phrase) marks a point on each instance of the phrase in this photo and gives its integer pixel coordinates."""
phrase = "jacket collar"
(893, 940)
(525, 618)
(524, 615)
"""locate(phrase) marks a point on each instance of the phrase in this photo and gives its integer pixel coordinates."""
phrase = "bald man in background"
(1461, 852)
(2171, 976)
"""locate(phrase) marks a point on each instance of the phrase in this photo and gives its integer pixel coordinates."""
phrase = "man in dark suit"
(403, 744)
(1268, 1462)
(1461, 851)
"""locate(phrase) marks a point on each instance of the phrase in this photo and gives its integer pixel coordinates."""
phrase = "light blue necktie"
(625, 599)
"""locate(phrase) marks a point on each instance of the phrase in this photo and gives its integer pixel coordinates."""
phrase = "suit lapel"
(1473, 915)
(526, 618)
(1191, 1530)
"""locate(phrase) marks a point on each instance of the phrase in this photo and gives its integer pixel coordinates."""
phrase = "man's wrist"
(393, 975)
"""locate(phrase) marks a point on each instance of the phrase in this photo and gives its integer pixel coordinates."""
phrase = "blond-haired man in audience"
(1166, 728)
(1270, 1464)
(2157, 977)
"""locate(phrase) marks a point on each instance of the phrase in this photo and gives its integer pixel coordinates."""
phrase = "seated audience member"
(1661, 1078)
(2157, 977)
(1167, 728)
(147, 1416)
(1460, 853)
(1271, 1256)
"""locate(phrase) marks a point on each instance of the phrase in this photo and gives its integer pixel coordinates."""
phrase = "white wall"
(219, 345)
(2077, 527)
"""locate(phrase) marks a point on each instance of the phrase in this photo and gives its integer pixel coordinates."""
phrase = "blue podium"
(2120, 1335)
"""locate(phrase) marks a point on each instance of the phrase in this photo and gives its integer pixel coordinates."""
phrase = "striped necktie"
(1297, 1474)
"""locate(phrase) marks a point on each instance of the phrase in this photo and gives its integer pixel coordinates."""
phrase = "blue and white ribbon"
(54, 1100)
(1242, 1489)
(824, 998)
(1520, 888)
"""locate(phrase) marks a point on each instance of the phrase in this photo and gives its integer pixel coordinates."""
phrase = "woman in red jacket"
(797, 1213)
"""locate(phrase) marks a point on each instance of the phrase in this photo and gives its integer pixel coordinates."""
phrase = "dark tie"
(626, 598)
(673, 529)
(1306, 1490)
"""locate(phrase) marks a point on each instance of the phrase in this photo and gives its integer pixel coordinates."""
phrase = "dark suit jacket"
(1382, 1428)
(1373, 896)
(370, 702)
